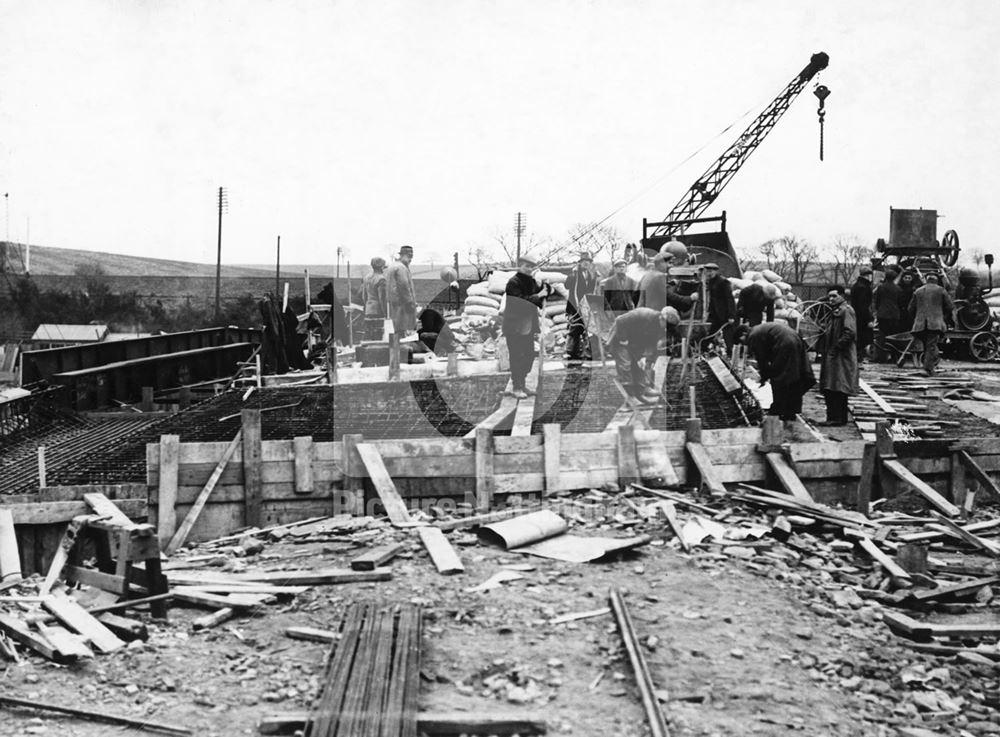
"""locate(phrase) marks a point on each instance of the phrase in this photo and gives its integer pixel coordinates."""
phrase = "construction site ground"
(748, 635)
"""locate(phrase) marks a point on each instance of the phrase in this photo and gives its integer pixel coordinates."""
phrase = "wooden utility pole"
(277, 269)
(218, 260)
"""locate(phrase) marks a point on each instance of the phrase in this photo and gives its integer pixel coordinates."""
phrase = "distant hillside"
(50, 261)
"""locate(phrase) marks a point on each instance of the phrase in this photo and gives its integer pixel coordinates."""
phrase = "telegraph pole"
(218, 259)
(520, 222)
(277, 270)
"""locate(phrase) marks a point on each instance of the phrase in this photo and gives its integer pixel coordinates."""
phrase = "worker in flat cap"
(885, 305)
(861, 301)
(633, 343)
(582, 280)
(721, 305)
(524, 297)
(620, 291)
(400, 293)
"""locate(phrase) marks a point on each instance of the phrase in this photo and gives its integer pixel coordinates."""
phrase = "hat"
(403, 250)
(619, 262)
(526, 261)
(865, 270)
(584, 256)
(712, 265)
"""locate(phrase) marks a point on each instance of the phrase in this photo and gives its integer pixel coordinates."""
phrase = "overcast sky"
(371, 123)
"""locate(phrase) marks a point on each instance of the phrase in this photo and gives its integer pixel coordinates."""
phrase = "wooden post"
(309, 294)
(912, 557)
(869, 459)
(772, 432)
(10, 560)
(957, 484)
(252, 477)
(485, 481)
(353, 467)
(628, 463)
(694, 407)
(166, 506)
(303, 446)
(452, 369)
(331, 364)
(551, 448)
(146, 405)
(42, 481)
(393, 356)
(260, 378)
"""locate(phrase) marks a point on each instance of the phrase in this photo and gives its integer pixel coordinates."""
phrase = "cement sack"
(560, 319)
(783, 286)
(482, 311)
(739, 283)
(482, 289)
(791, 297)
(478, 301)
(751, 276)
(771, 276)
(993, 301)
(498, 281)
(559, 308)
(550, 277)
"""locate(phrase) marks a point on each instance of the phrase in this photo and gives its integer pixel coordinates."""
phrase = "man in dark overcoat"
(782, 360)
(524, 297)
(861, 303)
(932, 311)
(838, 376)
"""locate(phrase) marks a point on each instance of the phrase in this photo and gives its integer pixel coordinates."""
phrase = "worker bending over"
(633, 343)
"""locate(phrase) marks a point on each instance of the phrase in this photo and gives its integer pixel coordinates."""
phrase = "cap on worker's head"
(378, 262)
(712, 265)
(526, 261)
(619, 262)
(865, 270)
(931, 277)
(671, 315)
(406, 250)
(584, 256)
(894, 270)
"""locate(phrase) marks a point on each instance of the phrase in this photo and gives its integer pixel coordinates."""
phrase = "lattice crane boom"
(709, 185)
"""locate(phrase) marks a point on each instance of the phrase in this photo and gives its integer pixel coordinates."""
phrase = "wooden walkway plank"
(891, 567)
(77, 618)
(394, 506)
(705, 468)
(376, 557)
(524, 415)
(980, 475)
(508, 405)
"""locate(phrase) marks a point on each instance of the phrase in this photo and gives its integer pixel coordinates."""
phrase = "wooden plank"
(75, 617)
(443, 555)
(657, 722)
(867, 478)
(787, 476)
(304, 483)
(98, 579)
(69, 644)
(104, 507)
(10, 556)
(125, 628)
(826, 451)
(196, 597)
(507, 407)
(902, 624)
(479, 519)
(438, 724)
(628, 464)
(394, 506)
(48, 513)
(709, 479)
(551, 450)
(723, 374)
(891, 567)
(319, 577)
(873, 395)
(485, 470)
(179, 537)
(906, 476)
(61, 554)
(17, 630)
(989, 547)
(167, 485)
(312, 634)
(669, 512)
(217, 617)
(961, 587)
(524, 415)
(252, 482)
(377, 557)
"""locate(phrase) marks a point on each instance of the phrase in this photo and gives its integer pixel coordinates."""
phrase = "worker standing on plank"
(524, 297)
(633, 341)
(582, 280)
(376, 304)
(721, 305)
(933, 311)
(838, 376)
(400, 294)
(782, 360)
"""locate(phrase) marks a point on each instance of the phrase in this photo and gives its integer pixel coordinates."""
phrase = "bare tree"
(976, 256)
(847, 254)
(531, 243)
(790, 256)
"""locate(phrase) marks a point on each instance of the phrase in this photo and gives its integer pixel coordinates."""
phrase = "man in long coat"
(524, 297)
(782, 360)
(933, 310)
(582, 280)
(721, 305)
(399, 292)
(374, 294)
(885, 305)
(861, 303)
(838, 376)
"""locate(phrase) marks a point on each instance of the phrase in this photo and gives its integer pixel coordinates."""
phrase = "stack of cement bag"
(485, 301)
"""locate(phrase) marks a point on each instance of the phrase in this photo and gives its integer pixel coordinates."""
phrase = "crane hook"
(822, 92)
